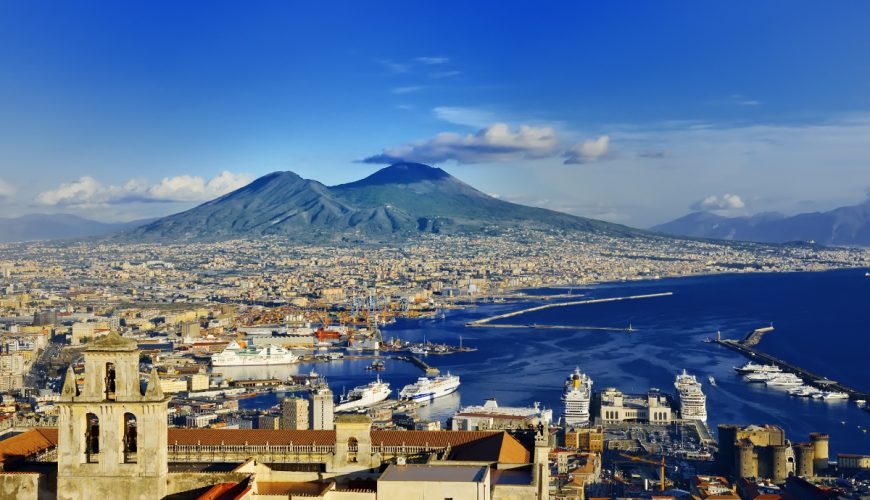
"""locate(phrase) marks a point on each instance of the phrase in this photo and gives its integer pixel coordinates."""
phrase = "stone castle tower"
(112, 436)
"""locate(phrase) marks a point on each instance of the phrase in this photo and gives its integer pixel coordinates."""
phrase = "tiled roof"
(26, 444)
(438, 439)
(292, 488)
(249, 436)
(498, 447)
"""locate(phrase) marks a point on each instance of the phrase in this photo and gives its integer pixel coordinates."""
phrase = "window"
(109, 382)
(92, 438)
(130, 438)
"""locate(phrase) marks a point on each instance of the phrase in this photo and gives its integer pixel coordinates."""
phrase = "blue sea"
(821, 323)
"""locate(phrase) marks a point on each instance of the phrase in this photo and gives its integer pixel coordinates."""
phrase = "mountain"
(35, 227)
(844, 226)
(397, 201)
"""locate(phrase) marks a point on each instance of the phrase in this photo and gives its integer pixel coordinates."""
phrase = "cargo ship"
(427, 389)
(575, 399)
(364, 396)
(236, 355)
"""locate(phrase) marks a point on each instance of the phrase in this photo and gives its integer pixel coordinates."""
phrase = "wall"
(19, 485)
(178, 482)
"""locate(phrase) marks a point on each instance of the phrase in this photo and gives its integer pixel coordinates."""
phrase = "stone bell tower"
(111, 436)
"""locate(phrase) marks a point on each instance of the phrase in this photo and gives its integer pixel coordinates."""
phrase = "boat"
(420, 351)
(751, 367)
(693, 402)
(376, 365)
(364, 396)
(834, 396)
(804, 391)
(427, 389)
(759, 376)
(236, 355)
(711, 380)
(785, 380)
(575, 399)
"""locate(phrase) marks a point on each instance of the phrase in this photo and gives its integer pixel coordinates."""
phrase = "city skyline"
(634, 116)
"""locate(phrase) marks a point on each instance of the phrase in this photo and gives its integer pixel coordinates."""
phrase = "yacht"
(236, 355)
(427, 389)
(834, 396)
(760, 376)
(575, 399)
(785, 380)
(693, 402)
(364, 396)
(751, 367)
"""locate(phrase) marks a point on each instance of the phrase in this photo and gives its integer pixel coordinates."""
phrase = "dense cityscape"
(194, 313)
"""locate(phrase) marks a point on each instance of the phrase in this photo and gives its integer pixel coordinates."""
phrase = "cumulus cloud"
(6, 190)
(588, 151)
(494, 143)
(87, 191)
(714, 203)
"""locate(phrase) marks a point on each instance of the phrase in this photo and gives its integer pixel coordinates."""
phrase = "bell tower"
(112, 436)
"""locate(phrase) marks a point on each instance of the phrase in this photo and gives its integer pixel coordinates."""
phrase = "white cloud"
(472, 117)
(89, 192)
(6, 190)
(490, 144)
(714, 203)
(588, 151)
(433, 60)
(742, 100)
(407, 90)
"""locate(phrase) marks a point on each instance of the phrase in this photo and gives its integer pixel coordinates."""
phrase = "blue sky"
(634, 112)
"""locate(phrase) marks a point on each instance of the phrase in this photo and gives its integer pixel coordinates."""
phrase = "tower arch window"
(109, 382)
(92, 438)
(130, 438)
(352, 448)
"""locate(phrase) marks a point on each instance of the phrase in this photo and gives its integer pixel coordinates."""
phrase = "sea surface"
(821, 321)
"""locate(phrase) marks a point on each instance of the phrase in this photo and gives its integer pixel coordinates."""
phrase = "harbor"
(809, 377)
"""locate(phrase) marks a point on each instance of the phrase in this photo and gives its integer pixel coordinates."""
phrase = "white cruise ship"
(785, 380)
(236, 355)
(427, 389)
(693, 402)
(575, 399)
(364, 396)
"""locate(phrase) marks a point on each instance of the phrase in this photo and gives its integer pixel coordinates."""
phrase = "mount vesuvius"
(395, 202)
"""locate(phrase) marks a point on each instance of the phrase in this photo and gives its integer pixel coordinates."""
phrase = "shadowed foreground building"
(113, 440)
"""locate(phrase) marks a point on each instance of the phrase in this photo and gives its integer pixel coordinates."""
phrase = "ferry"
(693, 402)
(427, 389)
(364, 396)
(236, 355)
(575, 399)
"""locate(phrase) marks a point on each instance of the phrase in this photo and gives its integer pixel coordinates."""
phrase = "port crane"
(660, 463)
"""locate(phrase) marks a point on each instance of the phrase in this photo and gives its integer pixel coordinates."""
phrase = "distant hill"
(395, 202)
(844, 226)
(35, 227)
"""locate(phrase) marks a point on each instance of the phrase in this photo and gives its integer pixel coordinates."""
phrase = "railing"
(280, 453)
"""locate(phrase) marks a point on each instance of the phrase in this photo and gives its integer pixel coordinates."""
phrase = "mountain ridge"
(842, 226)
(397, 201)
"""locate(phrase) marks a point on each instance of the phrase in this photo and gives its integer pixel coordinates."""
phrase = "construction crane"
(660, 463)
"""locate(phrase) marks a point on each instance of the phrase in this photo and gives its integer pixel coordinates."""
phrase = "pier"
(809, 377)
(431, 371)
(486, 321)
(554, 327)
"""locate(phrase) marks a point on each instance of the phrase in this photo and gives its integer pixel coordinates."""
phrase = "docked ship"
(236, 355)
(693, 402)
(751, 367)
(364, 396)
(576, 398)
(427, 389)
(785, 380)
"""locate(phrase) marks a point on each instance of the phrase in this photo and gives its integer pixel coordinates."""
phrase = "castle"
(113, 441)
